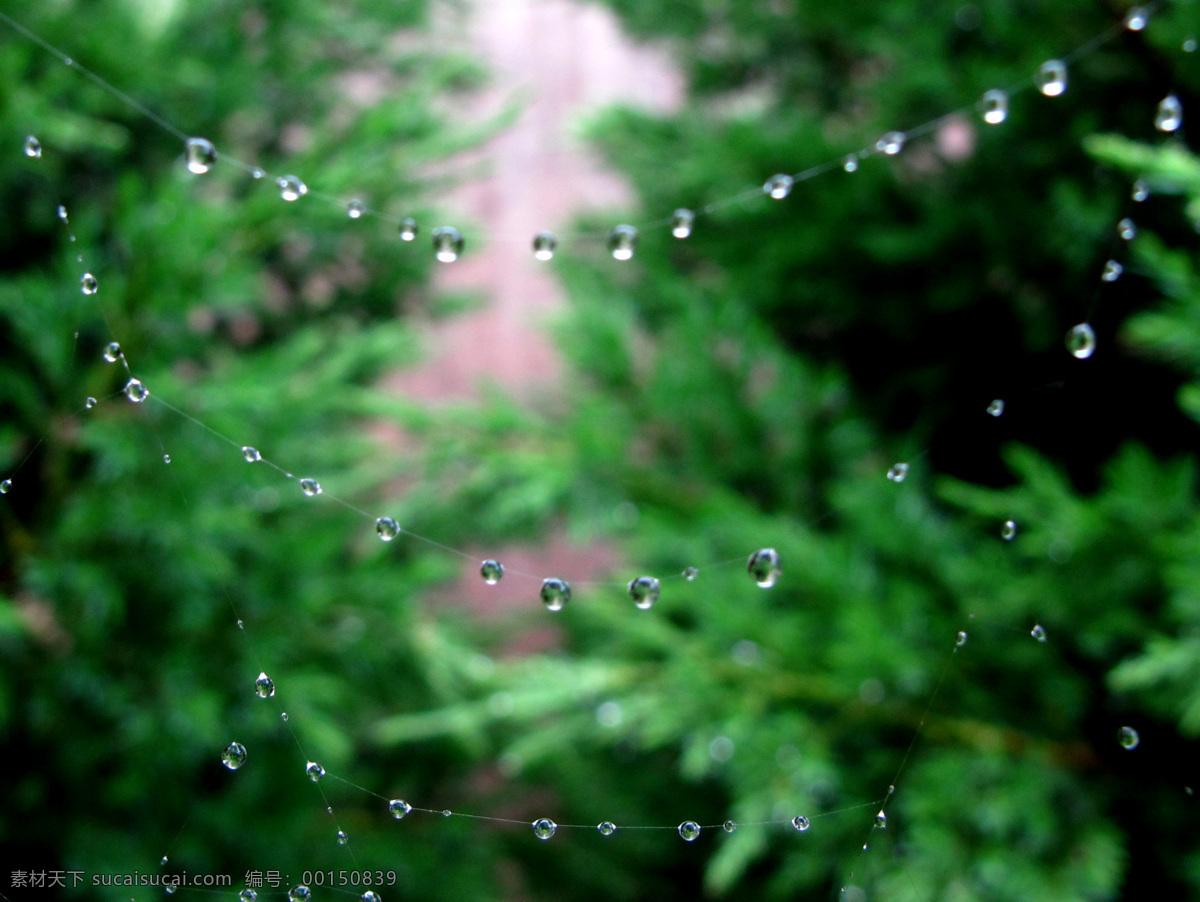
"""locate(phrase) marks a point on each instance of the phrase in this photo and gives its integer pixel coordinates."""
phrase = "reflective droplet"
(1190, 45)
(1081, 341)
(5, 486)
(234, 755)
(251, 454)
(996, 408)
(200, 155)
(555, 593)
(310, 487)
(1169, 116)
(1052, 78)
(689, 830)
(258, 173)
(690, 574)
(299, 893)
(1136, 20)
(891, 143)
(1008, 531)
(961, 639)
(850, 164)
(166, 458)
(993, 106)
(608, 828)
(33, 147)
(409, 229)
(315, 771)
(1127, 229)
(491, 571)
(112, 352)
(387, 528)
(370, 896)
(1128, 737)
(291, 188)
(62, 213)
(264, 686)
(355, 209)
(729, 826)
(898, 472)
(622, 242)
(398, 808)
(1140, 191)
(248, 895)
(778, 186)
(446, 812)
(1038, 632)
(881, 821)
(135, 391)
(764, 568)
(543, 828)
(800, 822)
(342, 838)
(644, 591)
(88, 284)
(89, 403)
(1112, 271)
(242, 626)
(682, 221)
(170, 888)
(447, 244)
(283, 716)
(544, 244)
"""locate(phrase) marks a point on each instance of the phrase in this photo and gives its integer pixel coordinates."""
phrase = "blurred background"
(747, 387)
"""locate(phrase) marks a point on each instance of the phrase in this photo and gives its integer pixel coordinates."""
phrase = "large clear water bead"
(778, 186)
(264, 686)
(544, 244)
(1038, 632)
(310, 487)
(644, 591)
(491, 571)
(801, 823)
(248, 895)
(881, 821)
(200, 155)
(355, 209)
(387, 528)
(607, 828)
(299, 893)
(234, 755)
(315, 771)
(993, 106)
(960, 639)
(135, 391)
(555, 593)
(763, 566)
(682, 221)
(1081, 341)
(291, 188)
(250, 454)
(33, 147)
(1169, 116)
(689, 830)
(1008, 531)
(1137, 18)
(5, 486)
(622, 242)
(1052, 78)
(543, 828)
(447, 244)
(891, 143)
(898, 472)
(1128, 737)
(112, 352)
(398, 808)
(88, 283)
(1127, 229)
(409, 229)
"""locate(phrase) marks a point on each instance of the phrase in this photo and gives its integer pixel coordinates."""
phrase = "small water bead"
(299, 893)
(409, 229)
(491, 571)
(543, 828)
(170, 888)
(258, 172)
(310, 487)
(234, 755)
(1038, 632)
(996, 408)
(961, 639)
(1052, 78)
(1136, 19)
(1081, 341)
(162, 861)
(690, 574)
(1128, 737)
(291, 188)
(1127, 229)
(200, 155)
(763, 567)
(315, 771)
(447, 244)
(778, 186)
(891, 143)
(33, 147)
(5, 486)
(355, 209)
(644, 591)
(342, 838)
(555, 593)
(370, 896)
(283, 716)
(166, 458)
(881, 821)
(112, 352)
(850, 164)
(446, 812)
(62, 213)
(387, 528)
(241, 626)
(135, 391)
(801, 823)
(248, 895)
(1112, 271)
(729, 826)
(544, 244)
(1008, 531)
(622, 242)
(264, 686)
(250, 454)
(682, 221)
(993, 106)
(689, 830)
(1140, 191)
(88, 284)
(608, 828)
(89, 403)
(1169, 116)
(898, 472)
(398, 808)
(1190, 45)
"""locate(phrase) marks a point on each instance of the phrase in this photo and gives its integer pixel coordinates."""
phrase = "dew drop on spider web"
(88, 284)
(33, 147)
(778, 186)
(135, 391)
(387, 528)
(543, 828)
(291, 188)
(234, 755)
(398, 808)
(264, 686)
(644, 591)
(200, 155)
(622, 242)
(447, 244)
(764, 567)
(682, 221)
(315, 771)
(250, 454)
(555, 593)
(491, 571)
(1052, 78)
(689, 830)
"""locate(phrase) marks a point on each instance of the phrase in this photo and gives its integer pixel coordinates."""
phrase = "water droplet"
(1112, 271)
(1038, 632)
(89, 403)
(315, 771)
(690, 574)
(800, 822)
(1081, 341)
(891, 143)
(241, 625)
(961, 639)
(135, 391)
(447, 244)
(1127, 229)
(1136, 20)
(62, 213)
(1189, 45)
(996, 408)
(409, 229)
(310, 487)
(543, 828)
(398, 808)
(283, 716)
(1008, 531)
(850, 164)
(1169, 116)
(355, 209)
(608, 828)
(200, 155)
(33, 147)
(682, 221)
(1052, 78)
(166, 458)
(258, 172)
(248, 895)
(491, 571)
(898, 472)
(1140, 191)
(291, 188)
(764, 568)
(251, 454)
(342, 838)
(993, 106)
(544, 244)
(387, 528)
(555, 593)
(5, 486)
(1128, 737)
(881, 821)
(162, 861)
(446, 812)
(112, 352)
(88, 284)
(234, 755)
(622, 242)
(778, 186)
(644, 591)
(264, 686)
(689, 830)
(370, 896)
(170, 888)
(299, 893)
(729, 826)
